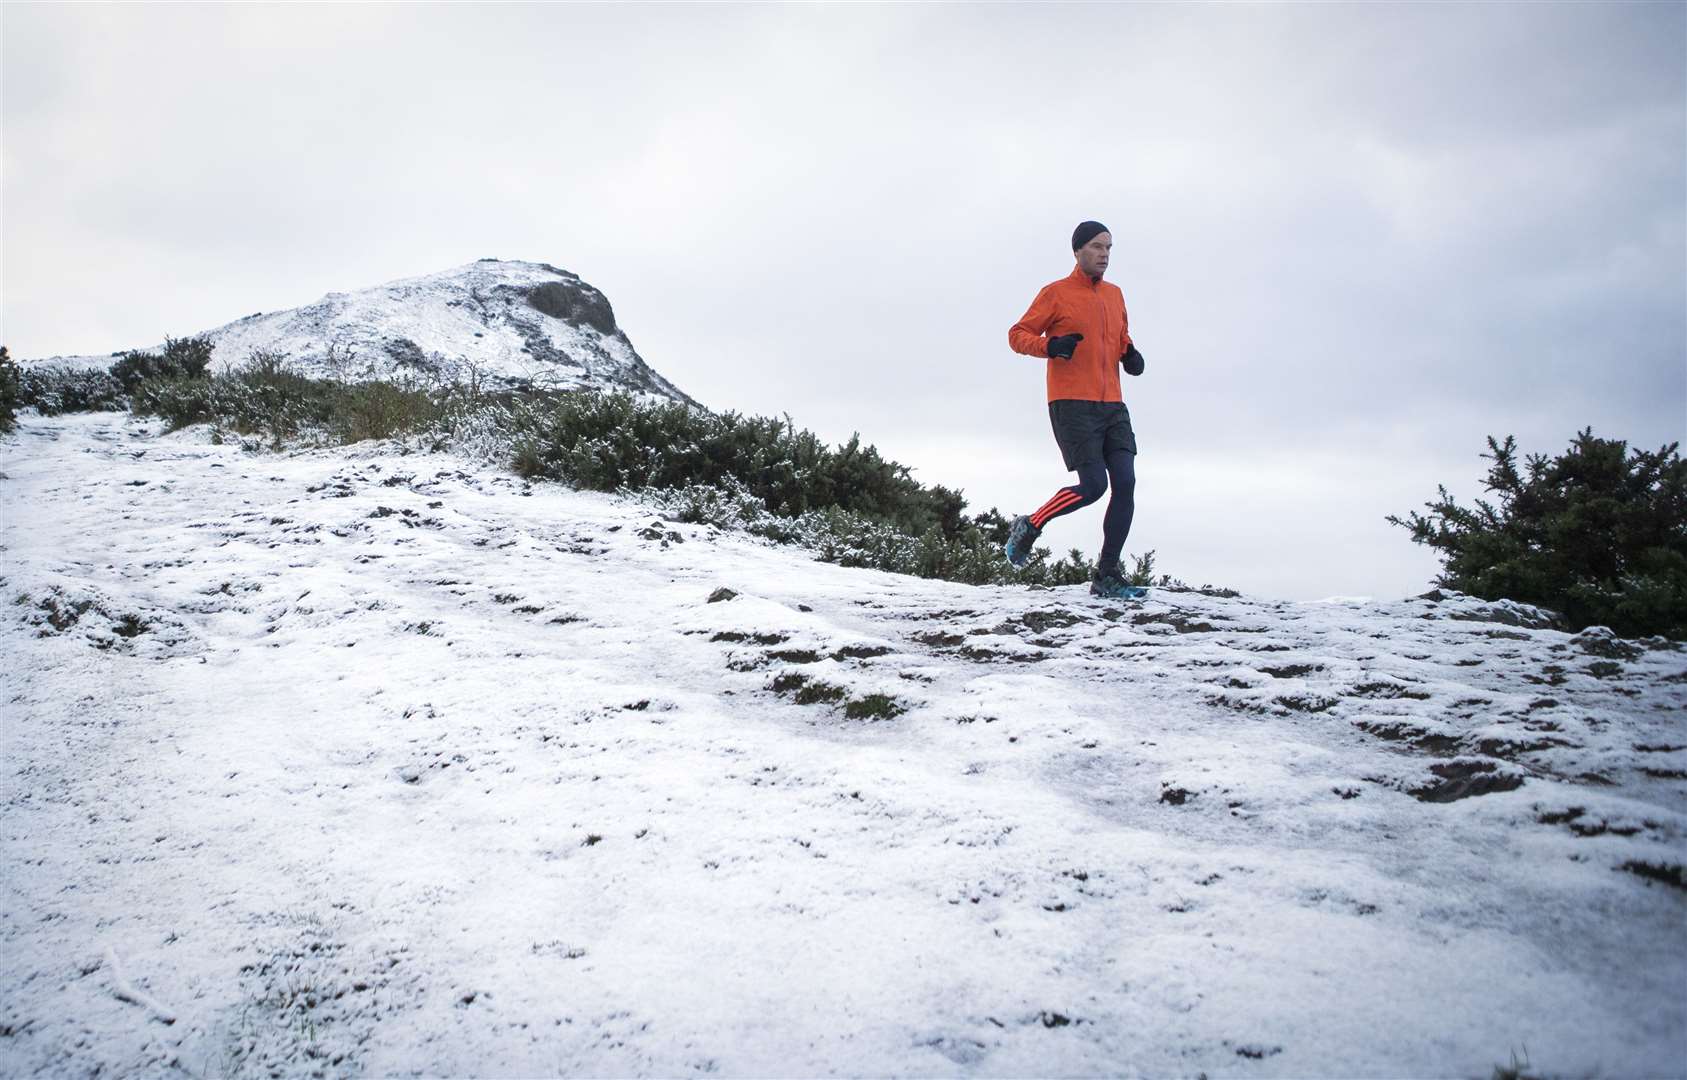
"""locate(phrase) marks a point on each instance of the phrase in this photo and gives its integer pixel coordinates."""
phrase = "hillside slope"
(365, 762)
(519, 323)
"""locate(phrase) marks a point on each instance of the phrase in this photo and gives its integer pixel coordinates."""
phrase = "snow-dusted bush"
(262, 397)
(477, 428)
(763, 476)
(9, 391)
(608, 442)
(728, 505)
(54, 388)
(179, 402)
(853, 539)
(266, 397)
(381, 410)
(1597, 533)
(182, 358)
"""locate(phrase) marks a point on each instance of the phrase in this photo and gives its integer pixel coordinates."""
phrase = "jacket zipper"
(1102, 304)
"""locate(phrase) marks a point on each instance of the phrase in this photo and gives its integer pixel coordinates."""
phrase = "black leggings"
(1093, 476)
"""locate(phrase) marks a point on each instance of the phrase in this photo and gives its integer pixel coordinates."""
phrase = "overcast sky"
(1354, 240)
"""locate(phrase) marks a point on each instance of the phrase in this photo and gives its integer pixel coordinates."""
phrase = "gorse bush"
(52, 389)
(851, 538)
(607, 442)
(262, 397)
(1596, 533)
(848, 504)
(182, 358)
(10, 391)
(265, 397)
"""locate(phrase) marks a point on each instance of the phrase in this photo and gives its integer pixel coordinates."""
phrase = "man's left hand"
(1132, 360)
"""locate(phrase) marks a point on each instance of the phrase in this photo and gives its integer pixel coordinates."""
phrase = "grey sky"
(1354, 240)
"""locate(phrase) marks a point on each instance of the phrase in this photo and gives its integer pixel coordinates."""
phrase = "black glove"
(1132, 360)
(1063, 345)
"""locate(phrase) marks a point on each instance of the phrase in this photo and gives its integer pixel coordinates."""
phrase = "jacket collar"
(1078, 277)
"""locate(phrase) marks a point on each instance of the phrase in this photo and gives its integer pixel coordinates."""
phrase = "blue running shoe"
(1111, 584)
(1021, 536)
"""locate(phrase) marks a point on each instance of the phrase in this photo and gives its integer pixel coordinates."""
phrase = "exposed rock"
(1464, 780)
(575, 302)
(1601, 641)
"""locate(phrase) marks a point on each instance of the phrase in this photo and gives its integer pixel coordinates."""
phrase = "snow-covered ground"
(363, 762)
(472, 322)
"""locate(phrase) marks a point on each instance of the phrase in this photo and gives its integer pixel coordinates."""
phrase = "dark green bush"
(262, 397)
(1142, 573)
(848, 504)
(53, 389)
(612, 441)
(1596, 533)
(134, 366)
(266, 397)
(853, 539)
(381, 410)
(182, 358)
(10, 391)
(189, 356)
(179, 402)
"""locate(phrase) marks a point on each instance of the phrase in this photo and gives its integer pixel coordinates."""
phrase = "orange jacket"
(1077, 305)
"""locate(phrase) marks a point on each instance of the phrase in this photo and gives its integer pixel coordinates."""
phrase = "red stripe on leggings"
(1061, 499)
(1060, 502)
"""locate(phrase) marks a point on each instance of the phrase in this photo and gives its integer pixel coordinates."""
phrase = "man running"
(1079, 324)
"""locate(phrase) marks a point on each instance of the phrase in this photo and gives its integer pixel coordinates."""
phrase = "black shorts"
(1090, 430)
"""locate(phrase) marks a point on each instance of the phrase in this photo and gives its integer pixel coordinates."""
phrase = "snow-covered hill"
(358, 762)
(521, 322)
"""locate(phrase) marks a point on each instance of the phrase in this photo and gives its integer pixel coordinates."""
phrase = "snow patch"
(418, 766)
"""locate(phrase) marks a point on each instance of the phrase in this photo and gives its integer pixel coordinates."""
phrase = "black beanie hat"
(1087, 231)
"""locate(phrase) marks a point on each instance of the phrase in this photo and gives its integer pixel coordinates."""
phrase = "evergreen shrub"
(10, 391)
(1596, 533)
(608, 442)
(266, 397)
(848, 504)
(52, 389)
(182, 358)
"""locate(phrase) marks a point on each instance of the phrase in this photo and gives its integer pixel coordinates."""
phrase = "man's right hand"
(1061, 347)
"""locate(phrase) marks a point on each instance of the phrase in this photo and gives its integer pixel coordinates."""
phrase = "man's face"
(1092, 257)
